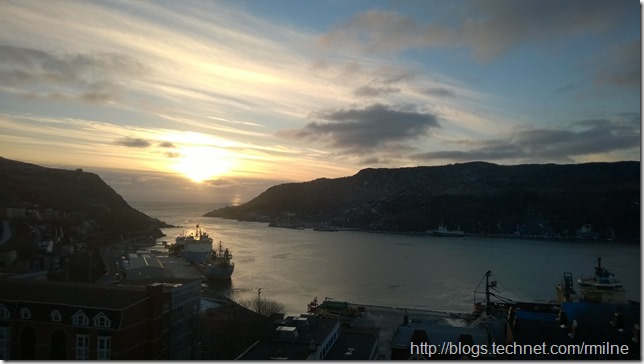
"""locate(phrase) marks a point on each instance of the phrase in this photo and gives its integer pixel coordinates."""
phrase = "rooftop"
(69, 293)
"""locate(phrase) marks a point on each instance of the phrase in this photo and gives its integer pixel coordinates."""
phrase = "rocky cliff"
(481, 198)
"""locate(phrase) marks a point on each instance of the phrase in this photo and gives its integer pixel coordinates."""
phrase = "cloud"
(92, 78)
(586, 137)
(166, 145)
(172, 155)
(362, 130)
(438, 91)
(620, 65)
(569, 87)
(382, 31)
(133, 142)
(488, 28)
(371, 91)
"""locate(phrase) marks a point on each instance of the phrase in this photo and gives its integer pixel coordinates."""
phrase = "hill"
(77, 195)
(481, 198)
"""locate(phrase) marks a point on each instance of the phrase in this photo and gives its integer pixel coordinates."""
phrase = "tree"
(263, 306)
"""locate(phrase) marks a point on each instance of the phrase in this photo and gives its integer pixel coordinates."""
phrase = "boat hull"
(196, 256)
(219, 273)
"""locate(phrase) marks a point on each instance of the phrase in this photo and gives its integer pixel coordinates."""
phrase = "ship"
(602, 287)
(595, 313)
(196, 247)
(220, 267)
(586, 233)
(444, 231)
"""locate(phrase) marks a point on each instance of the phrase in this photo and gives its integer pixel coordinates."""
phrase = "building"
(228, 329)
(45, 320)
(314, 337)
(142, 265)
(411, 339)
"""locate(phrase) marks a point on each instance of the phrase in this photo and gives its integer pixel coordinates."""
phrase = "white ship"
(195, 247)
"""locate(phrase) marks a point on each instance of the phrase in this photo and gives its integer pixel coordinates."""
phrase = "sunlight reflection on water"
(293, 266)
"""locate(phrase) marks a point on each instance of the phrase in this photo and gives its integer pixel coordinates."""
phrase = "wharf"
(178, 267)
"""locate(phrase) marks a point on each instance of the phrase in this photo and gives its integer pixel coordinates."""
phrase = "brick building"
(64, 320)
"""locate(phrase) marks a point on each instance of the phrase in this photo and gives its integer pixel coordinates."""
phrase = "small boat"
(444, 231)
(220, 267)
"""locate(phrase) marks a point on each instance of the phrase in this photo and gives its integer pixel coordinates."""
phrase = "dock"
(178, 267)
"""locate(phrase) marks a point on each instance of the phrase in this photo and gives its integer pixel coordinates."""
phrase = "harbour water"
(413, 271)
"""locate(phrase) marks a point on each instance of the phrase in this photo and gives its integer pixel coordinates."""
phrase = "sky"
(215, 101)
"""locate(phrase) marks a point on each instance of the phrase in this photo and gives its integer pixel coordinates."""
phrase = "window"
(82, 347)
(79, 318)
(101, 320)
(25, 314)
(5, 341)
(4, 313)
(55, 316)
(104, 346)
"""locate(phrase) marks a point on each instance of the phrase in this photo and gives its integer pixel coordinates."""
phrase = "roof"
(169, 283)
(144, 260)
(276, 350)
(69, 293)
(313, 328)
(292, 338)
(437, 332)
(355, 345)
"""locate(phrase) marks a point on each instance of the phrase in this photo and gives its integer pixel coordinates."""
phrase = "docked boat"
(586, 233)
(195, 247)
(220, 267)
(602, 287)
(444, 231)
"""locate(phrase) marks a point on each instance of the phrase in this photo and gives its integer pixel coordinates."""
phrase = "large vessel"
(444, 231)
(602, 287)
(219, 266)
(195, 247)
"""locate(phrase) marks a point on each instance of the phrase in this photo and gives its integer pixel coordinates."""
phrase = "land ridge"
(599, 200)
(73, 198)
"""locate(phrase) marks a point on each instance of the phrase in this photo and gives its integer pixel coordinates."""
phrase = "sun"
(202, 163)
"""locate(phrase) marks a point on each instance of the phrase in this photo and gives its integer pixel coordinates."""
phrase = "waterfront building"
(142, 265)
(412, 337)
(313, 337)
(46, 320)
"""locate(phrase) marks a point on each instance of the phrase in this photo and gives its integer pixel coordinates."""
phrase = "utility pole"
(259, 301)
(487, 292)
